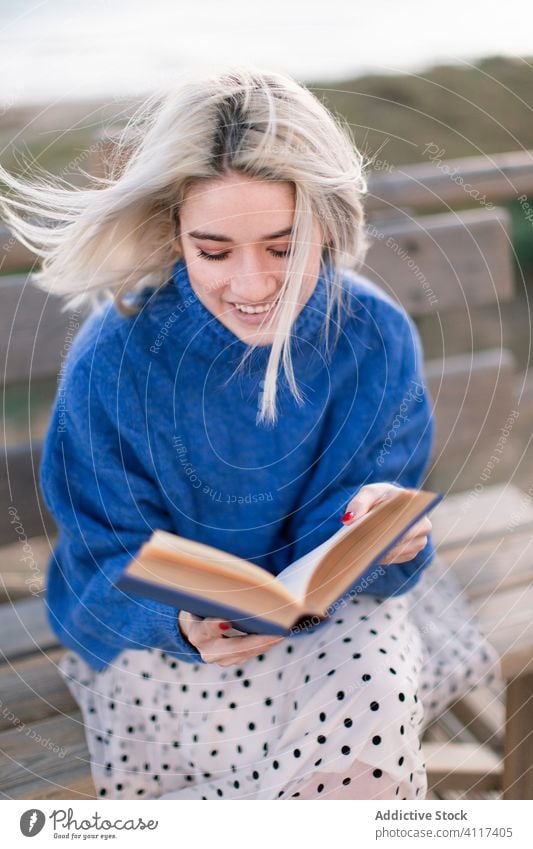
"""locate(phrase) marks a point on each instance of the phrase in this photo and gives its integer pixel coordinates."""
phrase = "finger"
(423, 526)
(233, 650)
(367, 497)
(186, 621)
(405, 551)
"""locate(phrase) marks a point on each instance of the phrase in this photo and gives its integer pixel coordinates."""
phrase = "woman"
(225, 236)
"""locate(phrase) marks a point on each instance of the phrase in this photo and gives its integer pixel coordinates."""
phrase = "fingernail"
(348, 516)
(224, 626)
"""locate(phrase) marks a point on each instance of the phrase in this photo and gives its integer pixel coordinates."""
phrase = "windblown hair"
(117, 235)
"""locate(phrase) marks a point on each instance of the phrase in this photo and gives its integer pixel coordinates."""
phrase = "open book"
(206, 581)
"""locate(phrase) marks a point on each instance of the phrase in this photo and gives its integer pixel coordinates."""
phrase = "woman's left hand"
(411, 543)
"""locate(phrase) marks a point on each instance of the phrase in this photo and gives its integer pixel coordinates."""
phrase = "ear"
(176, 245)
(175, 241)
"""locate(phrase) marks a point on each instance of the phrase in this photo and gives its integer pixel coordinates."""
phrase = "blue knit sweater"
(152, 427)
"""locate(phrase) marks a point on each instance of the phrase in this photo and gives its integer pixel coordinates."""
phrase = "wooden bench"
(435, 265)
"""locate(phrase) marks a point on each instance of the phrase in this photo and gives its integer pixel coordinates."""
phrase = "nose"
(254, 286)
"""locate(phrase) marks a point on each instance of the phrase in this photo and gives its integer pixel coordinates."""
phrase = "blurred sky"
(56, 50)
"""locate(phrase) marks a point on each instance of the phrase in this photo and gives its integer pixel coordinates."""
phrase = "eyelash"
(221, 256)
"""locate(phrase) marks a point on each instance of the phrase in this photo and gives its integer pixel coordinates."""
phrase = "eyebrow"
(215, 237)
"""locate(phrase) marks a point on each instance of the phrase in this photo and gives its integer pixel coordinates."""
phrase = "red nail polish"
(347, 516)
(224, 626)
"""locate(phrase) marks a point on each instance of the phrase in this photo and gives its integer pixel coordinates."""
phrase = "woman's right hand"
(206, 636)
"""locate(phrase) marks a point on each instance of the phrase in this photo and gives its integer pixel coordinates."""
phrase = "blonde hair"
(118, 235)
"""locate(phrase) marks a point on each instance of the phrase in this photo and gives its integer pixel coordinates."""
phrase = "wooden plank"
(33, 690)
(23, 568)
(480, 515)
(483, 713)
(439, 184)
(440, 262)
(23, 513)
(24, 629)
(484, 567)
(45, 760)
(473, 399)
(461, 765)
(76, 784)
(518, 767)
(505, 618)
(34, 333)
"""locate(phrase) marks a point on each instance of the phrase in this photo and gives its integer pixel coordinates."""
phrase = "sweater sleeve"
(106, 505)
(398, 452)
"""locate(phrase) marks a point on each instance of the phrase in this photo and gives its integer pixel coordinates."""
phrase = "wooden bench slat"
(33, 690)
(24, 629)
(489, 566)
(466, 517)
(53, 750)
(497, 179)
(483, 713)
(518, 769)
(473, 396)
(75, 784)
(440, 262)
(20, 492)
(506, 620)
(465, 765)
(33, 330)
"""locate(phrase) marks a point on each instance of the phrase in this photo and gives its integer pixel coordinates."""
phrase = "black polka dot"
(319, 788)
(348, 722)
(377, 773)
(374, 705)
(346, 781)
(376, 740)
(346, 750)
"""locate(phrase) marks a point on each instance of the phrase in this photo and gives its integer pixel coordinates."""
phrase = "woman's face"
(234, 237)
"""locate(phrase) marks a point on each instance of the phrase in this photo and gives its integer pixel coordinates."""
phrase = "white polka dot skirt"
(333, 714)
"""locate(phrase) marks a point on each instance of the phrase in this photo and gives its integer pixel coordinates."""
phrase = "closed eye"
(225, 254)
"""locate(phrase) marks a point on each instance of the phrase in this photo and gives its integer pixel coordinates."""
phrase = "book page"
(297, 575)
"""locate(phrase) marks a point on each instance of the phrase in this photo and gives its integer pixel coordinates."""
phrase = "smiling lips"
(254, 310)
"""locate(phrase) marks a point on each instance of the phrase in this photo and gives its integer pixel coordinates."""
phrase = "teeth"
(253, 310)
